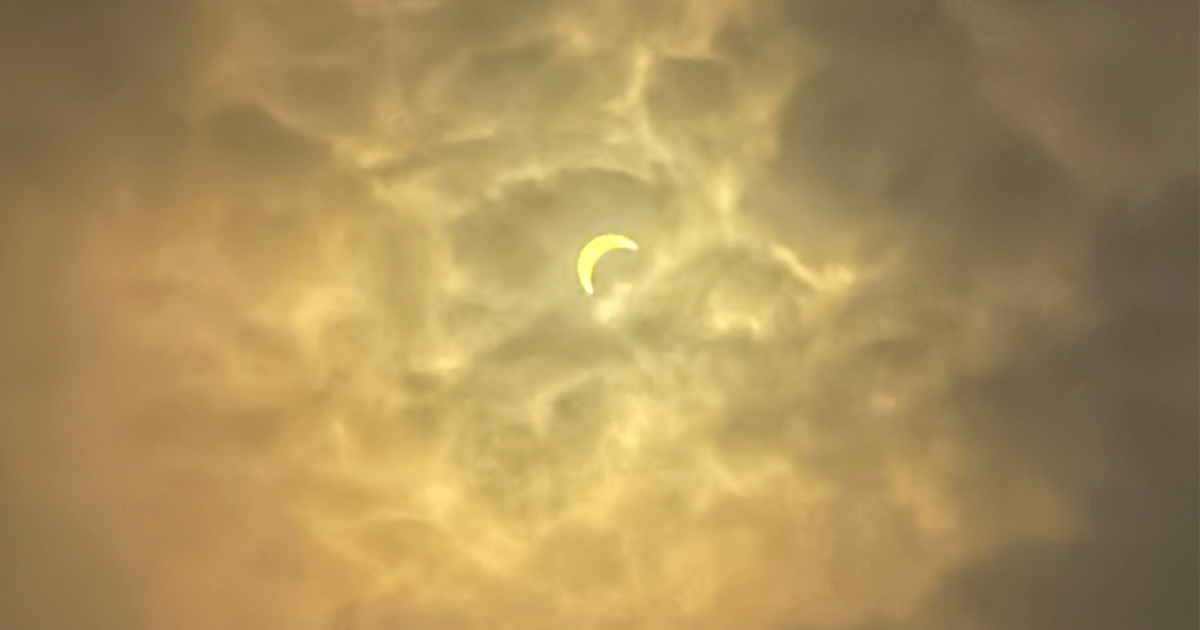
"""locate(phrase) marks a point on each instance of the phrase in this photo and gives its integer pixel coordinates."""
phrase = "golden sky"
(291, 335)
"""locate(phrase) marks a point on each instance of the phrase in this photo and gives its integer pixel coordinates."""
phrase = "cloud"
(292, 337)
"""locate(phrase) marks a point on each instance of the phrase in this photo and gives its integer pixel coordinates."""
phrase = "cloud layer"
(292, 338)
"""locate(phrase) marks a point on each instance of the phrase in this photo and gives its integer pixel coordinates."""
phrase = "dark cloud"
(55, 574)
(1126, 395)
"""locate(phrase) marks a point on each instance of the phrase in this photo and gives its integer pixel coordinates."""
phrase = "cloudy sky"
(290, 334)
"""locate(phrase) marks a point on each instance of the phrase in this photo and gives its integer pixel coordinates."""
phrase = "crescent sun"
(591, 253)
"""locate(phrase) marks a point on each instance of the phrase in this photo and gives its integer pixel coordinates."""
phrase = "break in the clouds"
(292, 338)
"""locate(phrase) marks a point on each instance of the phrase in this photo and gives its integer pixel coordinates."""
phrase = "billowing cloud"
(292, 337)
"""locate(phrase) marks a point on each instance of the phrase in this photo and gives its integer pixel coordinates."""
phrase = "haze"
(291, 335)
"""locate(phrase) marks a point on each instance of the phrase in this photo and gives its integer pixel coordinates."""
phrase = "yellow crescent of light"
(591, 253)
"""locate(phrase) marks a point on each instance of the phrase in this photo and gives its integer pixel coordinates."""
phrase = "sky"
(291, 336)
